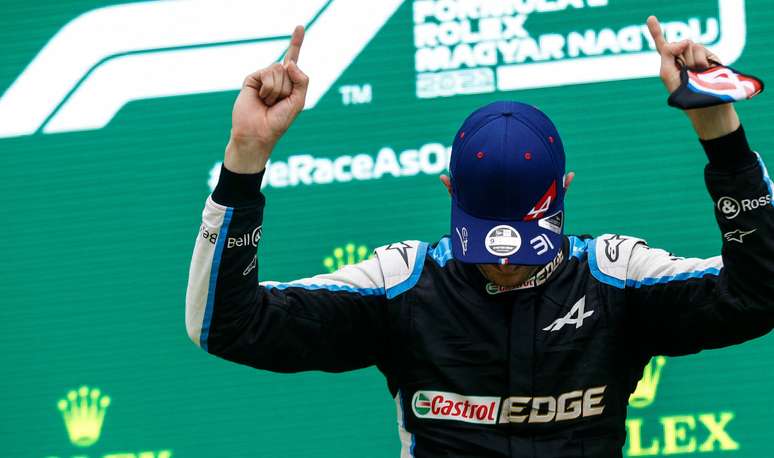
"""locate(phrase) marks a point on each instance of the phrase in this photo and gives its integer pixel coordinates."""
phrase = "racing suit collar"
(542, 276)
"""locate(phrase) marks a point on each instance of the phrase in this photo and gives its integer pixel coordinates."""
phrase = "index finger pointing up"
(294, 49)
(655, 31)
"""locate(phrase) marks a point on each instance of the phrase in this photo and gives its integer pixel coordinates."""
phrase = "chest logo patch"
(576, 316)
(491, 410)
(440, 405)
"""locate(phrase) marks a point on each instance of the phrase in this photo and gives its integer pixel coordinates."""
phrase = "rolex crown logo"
(83, 412)
(348, 254)
(645, 393)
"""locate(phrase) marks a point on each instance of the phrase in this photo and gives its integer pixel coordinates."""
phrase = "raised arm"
(331, 322)
(681, 306)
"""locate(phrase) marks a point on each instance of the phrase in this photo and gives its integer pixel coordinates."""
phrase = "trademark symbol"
(354, 94)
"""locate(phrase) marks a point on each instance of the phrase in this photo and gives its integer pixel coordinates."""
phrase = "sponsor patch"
(541, 244)
(439, 405)
(553, 223)
(612, 244)
(549, 409)
(463, 235)
(247, 239)
(503, 241)
(574, 317)
(208, 234)
(730, 208)
(402, 249)
(737, 235)
(490, 410)
(253, 264)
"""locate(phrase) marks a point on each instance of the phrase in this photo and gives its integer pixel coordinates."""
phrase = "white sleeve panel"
(206, 256)
(650, 266)
(624, 261)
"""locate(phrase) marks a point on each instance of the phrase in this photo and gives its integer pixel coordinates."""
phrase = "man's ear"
(446, 182)
(568, 177)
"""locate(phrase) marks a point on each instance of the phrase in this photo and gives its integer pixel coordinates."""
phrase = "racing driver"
(506, 338)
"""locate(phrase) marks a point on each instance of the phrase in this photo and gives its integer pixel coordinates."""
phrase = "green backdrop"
(102, 223)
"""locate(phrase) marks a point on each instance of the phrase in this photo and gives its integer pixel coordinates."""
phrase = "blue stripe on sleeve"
(766, 177)
(345, 288)
(649, 281)
(214, 278)
(682, 276)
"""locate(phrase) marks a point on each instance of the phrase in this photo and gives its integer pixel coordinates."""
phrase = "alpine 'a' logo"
(575, 317)
(542, 205)
(83, 76)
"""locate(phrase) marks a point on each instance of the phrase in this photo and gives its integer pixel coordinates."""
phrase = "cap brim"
(475, 240)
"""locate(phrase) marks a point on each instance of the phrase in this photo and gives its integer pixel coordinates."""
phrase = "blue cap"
(507, 174)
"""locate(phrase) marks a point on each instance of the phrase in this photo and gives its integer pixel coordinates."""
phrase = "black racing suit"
(544, 370)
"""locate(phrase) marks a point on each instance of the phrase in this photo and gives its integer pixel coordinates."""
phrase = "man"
(506, 338)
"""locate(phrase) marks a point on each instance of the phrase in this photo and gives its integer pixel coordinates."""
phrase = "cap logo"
(542, 206)
(553, 223)
(463, 235)
(503, 241)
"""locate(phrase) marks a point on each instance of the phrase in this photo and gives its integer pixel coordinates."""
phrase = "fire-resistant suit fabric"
(542, 370)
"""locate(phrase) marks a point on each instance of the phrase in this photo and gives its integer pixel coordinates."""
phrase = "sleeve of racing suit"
(332, 322)
(681, 306)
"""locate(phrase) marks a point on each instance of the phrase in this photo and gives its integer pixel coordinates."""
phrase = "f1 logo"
(541, 244)
(83, 76)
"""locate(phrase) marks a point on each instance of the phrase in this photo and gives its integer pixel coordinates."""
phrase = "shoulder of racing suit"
(613, 259)
(401, 264)
(609, 256)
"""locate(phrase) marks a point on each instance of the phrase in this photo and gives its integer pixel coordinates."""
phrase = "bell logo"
(346, 255)
(645, 393)
(84, 412)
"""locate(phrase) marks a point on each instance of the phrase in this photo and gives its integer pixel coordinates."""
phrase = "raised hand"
(709, 123)
(269, 101)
